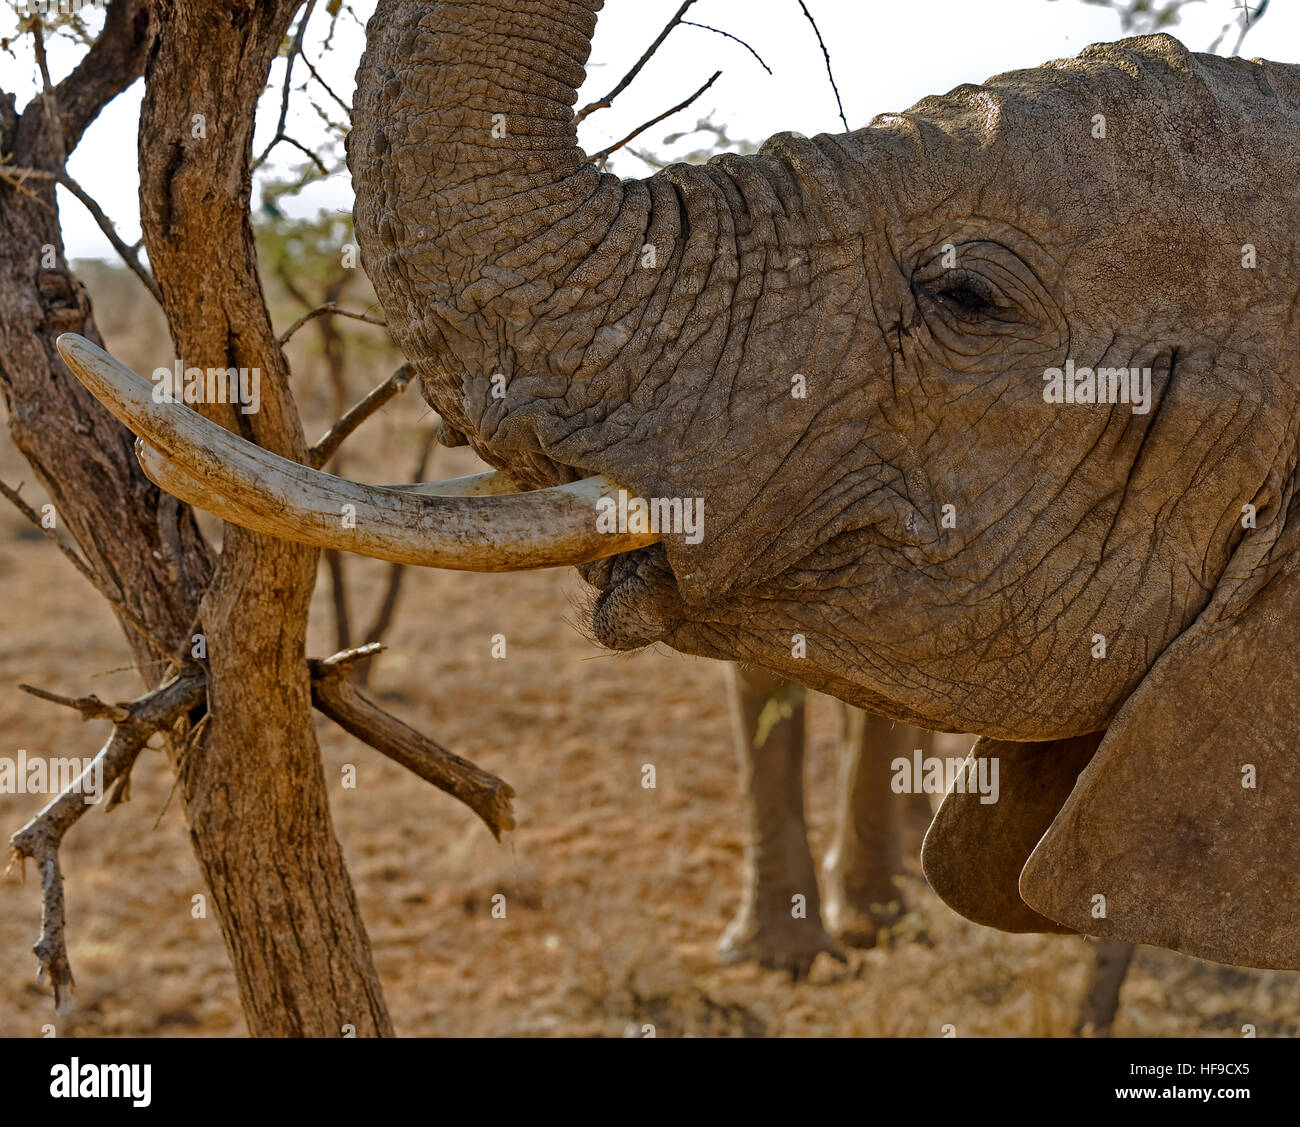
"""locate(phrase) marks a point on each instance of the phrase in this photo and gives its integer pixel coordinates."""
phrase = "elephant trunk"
(465, 160)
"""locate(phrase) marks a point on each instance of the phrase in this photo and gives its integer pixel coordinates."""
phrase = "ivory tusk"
(474, 527)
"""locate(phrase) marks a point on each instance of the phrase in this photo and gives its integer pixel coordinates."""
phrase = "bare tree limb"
(295, 49)
(91, 707)
(334, 694)
(40, 838)
(114, 61)
(827, 56)
(604, 154)
(330, 308)
(126, 253)
(626, 80)
(333, 438)
(48, 97)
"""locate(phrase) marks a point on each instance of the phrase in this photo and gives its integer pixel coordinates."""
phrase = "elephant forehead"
(1141, 127)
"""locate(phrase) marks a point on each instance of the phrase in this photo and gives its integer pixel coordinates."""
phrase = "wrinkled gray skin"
(822, 257)
(858, 895)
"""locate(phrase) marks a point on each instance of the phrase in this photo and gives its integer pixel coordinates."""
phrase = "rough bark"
(144, 544)
(255, 795)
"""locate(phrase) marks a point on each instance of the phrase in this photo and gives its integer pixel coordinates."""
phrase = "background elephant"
(858, 895)
(876, 827)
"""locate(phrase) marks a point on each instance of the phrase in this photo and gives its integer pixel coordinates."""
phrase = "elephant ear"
(1187, 821)
(974, 851)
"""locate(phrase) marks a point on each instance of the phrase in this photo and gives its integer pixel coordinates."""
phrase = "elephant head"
(990, 408)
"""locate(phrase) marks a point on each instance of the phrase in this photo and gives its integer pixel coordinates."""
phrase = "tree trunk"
(255, 790)
(253, 786)
(142, 542)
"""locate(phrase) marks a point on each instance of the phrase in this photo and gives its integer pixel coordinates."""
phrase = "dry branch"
(626, 80)
(827, 56)
(333, 438)
(295, 49)
(605, 153)
(40, 838)
(16, 176)
(334, 694)
(728, 35)
(91, 707)
(49, 99)
(126, 253)
(136, 721)
(330, 308)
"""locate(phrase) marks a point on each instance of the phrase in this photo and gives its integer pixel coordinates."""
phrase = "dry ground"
(615, 894)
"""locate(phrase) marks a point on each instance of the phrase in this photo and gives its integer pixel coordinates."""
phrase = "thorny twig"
(604, 154)
(827, 56)
(17, 179)
(728, 35)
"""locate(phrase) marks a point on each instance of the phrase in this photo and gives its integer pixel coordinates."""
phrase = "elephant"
(982, 417)
(786, 918)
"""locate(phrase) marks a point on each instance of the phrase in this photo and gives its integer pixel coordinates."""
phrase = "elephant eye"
(964, 297)
(965, 294)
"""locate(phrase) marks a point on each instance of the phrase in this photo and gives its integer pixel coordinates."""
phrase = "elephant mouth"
(637, 602)
(487, 522)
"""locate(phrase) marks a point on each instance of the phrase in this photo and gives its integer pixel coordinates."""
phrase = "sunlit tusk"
(213, 469)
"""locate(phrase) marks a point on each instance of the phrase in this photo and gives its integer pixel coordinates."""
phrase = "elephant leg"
(1101, 998)
(865, 857)
(779, 921)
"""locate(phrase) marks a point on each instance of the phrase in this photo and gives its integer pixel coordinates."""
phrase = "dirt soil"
(615, 894)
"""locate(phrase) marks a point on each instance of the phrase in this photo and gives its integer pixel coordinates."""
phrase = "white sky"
(886, 54)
